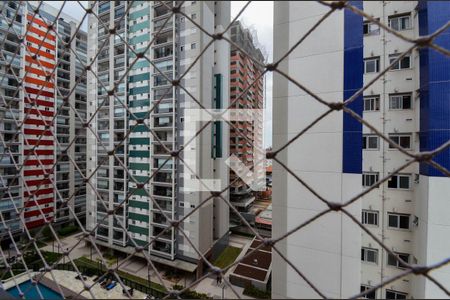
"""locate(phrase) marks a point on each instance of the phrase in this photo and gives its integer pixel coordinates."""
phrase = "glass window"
(400, 101)
(400, 22)
(371, 103)
(369, 255)
(403, 140)
(400, 221)
(370, 28)
(395, 262)
(372, 65)
(370, 217)
(395, 295)
(403, 63)
(369, 179)
(400, 182)
(370, 142)
(371, 295)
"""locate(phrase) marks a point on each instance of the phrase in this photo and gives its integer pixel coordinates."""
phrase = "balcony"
(164, 137)
(163, 39)
(167, 235)
(163, 93)
(162, 191)
(163, 52)
(163, 123)
(159, 24)
(159, 219)
(159, 150)
(164, 205)
(162, 11)
(161, 162)
(164, 248)
(165, 178)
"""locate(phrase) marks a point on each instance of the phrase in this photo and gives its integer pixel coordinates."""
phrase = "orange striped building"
(39, 114)
(38, 129)
(248, 89)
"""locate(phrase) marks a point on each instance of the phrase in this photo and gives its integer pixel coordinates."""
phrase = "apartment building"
(409, 104)
(243, 73)
(406, 105)
(36, 104)
(145, 99)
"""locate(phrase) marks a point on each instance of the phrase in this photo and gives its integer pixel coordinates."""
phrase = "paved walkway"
(134, 266)
(137, 267)
(67, 279)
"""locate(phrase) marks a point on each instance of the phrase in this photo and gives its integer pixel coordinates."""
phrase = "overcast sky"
(258, 16)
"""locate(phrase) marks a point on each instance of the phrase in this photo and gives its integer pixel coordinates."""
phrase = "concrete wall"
(332, 242)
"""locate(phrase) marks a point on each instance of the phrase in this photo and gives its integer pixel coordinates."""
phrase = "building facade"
(243, 73)
(409, 104)
(47, 178)
(146, 112)
(326, 156)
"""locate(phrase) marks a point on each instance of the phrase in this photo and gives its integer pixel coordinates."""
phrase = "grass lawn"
(227, 257)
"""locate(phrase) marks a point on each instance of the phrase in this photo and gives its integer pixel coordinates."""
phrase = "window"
(371, 65)
(193, 45)
(194, 16)
(401, 139)
(400, 182)
(390, 294)
(400, 101)
(370, 28)
(369, 255)
(371, 295)
(404, 63)
(393, 260)
(369, 179)
(6, 215)
(370, 217)
(400, 221)
(370, 142)
(400, 22)
(371, 103)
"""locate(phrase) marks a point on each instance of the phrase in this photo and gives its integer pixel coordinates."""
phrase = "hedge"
(254, 292)
(67, 230)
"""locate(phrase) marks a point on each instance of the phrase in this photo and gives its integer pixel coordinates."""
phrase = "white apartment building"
(409, 213)
(177, 44)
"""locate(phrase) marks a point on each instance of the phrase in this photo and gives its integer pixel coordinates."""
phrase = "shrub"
(47, 234)
(66, 230)
(254, 292)
(189, 294)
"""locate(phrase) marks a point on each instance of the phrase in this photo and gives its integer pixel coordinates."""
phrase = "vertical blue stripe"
(434, 85)
(353, 80)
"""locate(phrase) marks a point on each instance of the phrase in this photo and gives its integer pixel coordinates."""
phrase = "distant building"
(243, 72)
(152, 184)
(36, 104)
